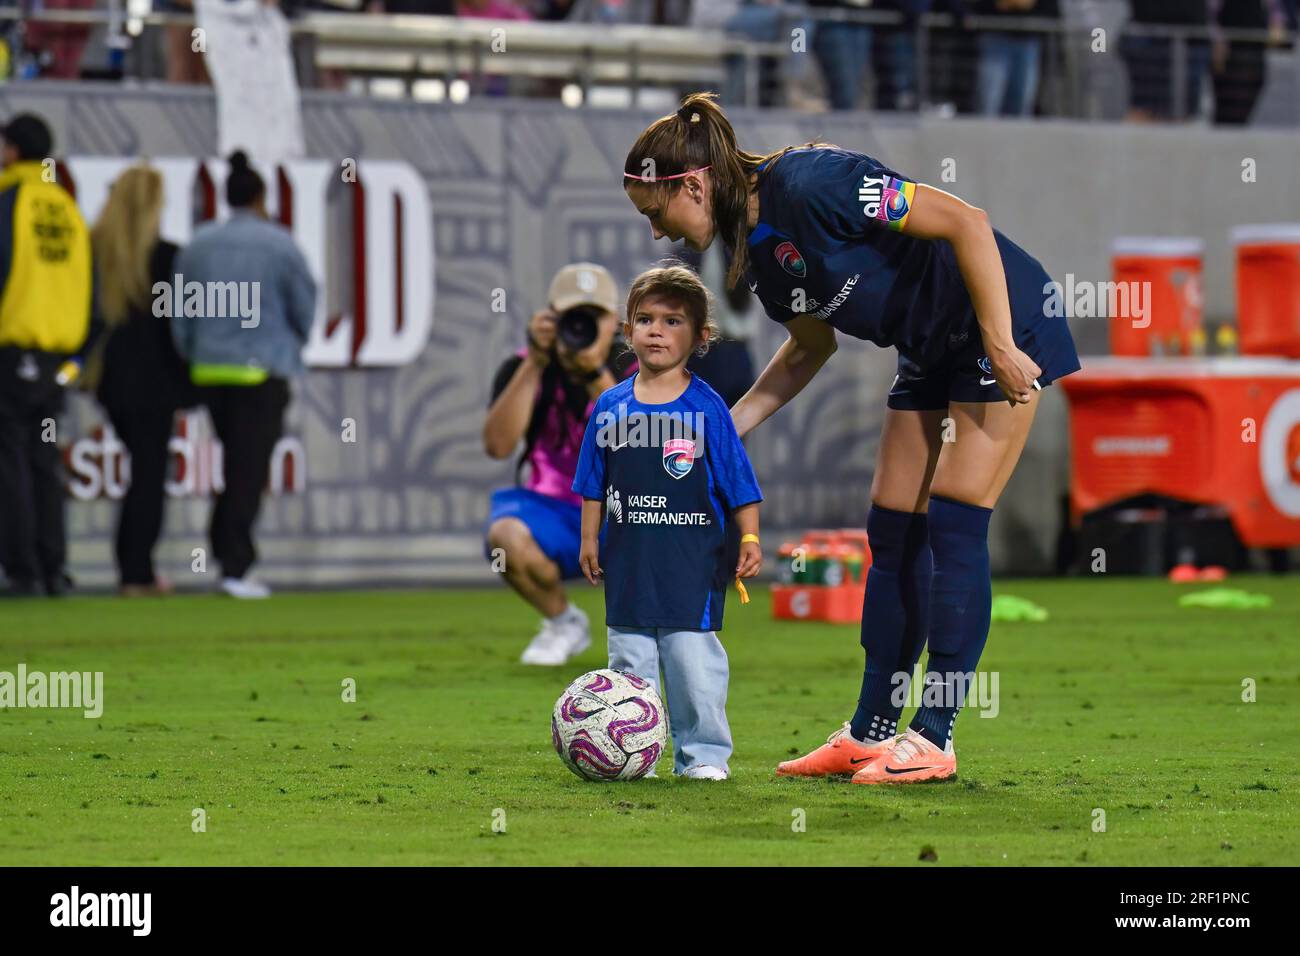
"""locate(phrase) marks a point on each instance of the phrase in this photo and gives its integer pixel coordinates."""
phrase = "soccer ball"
(608, 725)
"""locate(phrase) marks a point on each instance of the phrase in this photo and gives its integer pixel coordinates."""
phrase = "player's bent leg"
(696, 671)
(988, 439)
(896, 605)
(972, 472)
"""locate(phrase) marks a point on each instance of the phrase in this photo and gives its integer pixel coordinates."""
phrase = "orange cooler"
(1172, 267)
(1268, 288)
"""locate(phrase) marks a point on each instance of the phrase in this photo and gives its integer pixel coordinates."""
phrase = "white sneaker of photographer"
(559, 639)
(245, 589)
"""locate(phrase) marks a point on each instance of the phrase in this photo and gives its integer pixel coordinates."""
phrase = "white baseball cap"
(583, 283)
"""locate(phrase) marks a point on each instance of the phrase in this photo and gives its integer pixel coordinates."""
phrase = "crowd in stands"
(972, 65)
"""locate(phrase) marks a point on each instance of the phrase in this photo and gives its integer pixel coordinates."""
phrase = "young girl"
(834, 241)
(662, 460)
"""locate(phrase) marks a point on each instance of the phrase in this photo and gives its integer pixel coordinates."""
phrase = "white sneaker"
(705, 773)
(547, 648)
(246, 589)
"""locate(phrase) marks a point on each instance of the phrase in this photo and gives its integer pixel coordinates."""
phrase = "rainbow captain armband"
(887, 200)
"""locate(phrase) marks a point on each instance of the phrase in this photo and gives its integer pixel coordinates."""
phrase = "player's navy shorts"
(555, 525)
(964, 373)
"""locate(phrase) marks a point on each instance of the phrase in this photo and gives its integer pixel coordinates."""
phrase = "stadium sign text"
(370, 234)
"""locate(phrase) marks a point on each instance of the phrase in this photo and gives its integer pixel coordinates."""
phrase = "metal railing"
(410, 48)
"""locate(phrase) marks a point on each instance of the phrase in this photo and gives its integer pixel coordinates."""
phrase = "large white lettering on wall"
(385, 315)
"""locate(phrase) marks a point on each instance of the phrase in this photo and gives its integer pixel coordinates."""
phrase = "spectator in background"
(493, 9)
(138, 378)
(542, 396)
(61, 45)
(46, 288)
(758, 21)
(843, 49)
(243, 362)
(428, 8)
(895, 55)
(645, 12)
(1010, 60)
(1239, 67)
(1150, 60)
(184, 63)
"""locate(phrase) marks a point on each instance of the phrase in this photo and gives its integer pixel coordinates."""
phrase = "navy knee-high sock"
(894, 618)
(961, 598)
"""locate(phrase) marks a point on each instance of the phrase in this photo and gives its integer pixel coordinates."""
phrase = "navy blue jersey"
(669, 475)
(829, 243)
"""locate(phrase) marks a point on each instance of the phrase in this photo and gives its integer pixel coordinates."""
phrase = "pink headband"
(659, 179)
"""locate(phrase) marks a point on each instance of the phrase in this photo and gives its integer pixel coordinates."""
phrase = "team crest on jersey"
(985, 366)
(679, 456)
(790, 259)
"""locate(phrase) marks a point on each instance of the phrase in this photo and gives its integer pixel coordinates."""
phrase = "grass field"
(1122, 701)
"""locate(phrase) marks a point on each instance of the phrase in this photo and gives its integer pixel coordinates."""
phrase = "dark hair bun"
(243, 186)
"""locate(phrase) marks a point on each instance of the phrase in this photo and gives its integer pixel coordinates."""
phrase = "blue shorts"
(555, 525)
(964, 375)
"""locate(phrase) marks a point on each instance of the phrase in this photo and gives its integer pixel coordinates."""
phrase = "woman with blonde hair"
(138, 377)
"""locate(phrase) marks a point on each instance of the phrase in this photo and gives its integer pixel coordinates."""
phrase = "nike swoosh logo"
(617, 447)
(988, 381)
(753, 287)
(863, 759)
(908, 770)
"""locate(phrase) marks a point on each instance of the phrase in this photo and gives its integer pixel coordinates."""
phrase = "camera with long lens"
(576, 327)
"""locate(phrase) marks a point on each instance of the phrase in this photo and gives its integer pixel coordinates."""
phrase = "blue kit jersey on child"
(829, 243)
(668, 474)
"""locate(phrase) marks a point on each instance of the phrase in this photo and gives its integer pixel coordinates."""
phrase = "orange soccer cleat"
(910, 759)
(841, 754)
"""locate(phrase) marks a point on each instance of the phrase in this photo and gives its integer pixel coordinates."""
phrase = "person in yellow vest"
(45, 301)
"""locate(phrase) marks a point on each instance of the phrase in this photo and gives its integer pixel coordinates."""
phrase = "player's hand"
(751, 560)
(589, 561)
(1015, 373)
(541, 337)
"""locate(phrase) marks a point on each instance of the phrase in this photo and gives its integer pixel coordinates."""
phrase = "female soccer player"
(832, 240)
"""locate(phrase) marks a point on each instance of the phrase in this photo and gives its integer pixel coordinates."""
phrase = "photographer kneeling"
(543, 396)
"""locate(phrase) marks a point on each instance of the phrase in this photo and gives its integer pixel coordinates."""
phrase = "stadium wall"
(516, 189)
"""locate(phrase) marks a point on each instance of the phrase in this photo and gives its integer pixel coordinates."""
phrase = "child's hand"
(589, 560)
(751, 559)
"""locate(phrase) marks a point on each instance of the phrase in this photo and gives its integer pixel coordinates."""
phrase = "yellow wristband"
(749, 537)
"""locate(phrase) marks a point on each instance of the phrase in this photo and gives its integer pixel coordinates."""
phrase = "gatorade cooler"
(1157, 305)
(1268, 288)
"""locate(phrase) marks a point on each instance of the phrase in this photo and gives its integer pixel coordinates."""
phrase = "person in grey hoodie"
(243, 305)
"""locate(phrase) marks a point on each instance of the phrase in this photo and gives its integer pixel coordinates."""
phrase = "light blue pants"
(696, 672)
